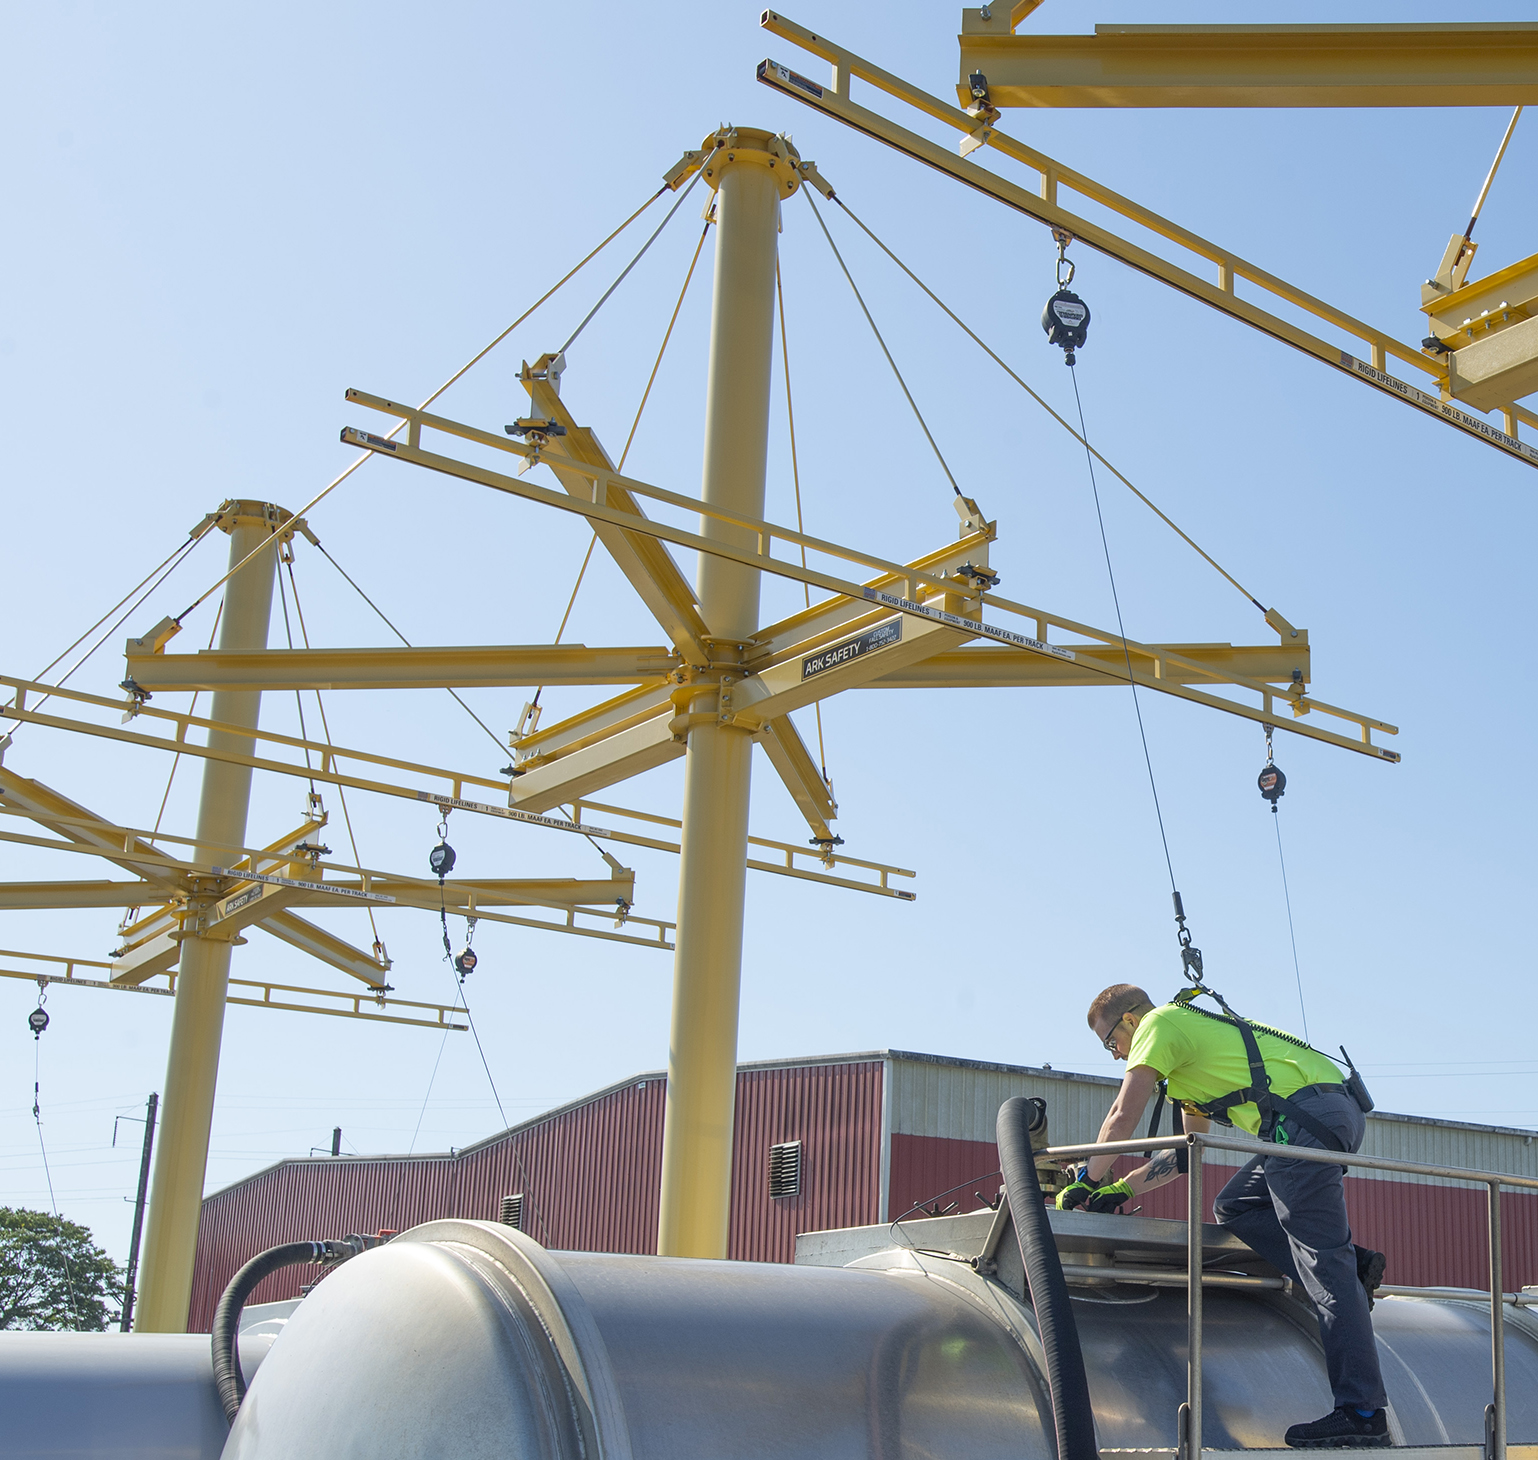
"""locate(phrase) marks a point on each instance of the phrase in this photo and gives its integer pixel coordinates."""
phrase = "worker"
(1292, 1213)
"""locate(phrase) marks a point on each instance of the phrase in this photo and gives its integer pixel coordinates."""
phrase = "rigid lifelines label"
(510, 813)
(245, 897)
(1434, 405)
(972, 625)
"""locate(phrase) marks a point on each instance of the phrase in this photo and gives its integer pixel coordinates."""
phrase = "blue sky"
(220, 220)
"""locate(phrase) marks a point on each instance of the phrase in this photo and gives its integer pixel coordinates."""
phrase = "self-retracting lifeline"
(441, 859)
(1066, 322)
(1065, 317)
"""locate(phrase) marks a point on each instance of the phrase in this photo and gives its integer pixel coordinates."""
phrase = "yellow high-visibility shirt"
(1203, 1059)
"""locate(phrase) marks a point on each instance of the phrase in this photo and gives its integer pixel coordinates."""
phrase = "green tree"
(53, 1275)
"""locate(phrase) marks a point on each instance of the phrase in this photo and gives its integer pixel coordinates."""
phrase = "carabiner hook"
(1063, 238)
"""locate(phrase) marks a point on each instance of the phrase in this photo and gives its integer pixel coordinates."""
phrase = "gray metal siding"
(959, 1100)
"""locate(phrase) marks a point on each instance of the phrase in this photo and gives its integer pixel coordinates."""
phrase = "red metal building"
(840, 1141)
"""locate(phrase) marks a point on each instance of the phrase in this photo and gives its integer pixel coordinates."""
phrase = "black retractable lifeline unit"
(1065, 317)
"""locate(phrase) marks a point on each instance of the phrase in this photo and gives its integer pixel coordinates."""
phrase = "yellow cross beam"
(1437, 65)
(441, 667)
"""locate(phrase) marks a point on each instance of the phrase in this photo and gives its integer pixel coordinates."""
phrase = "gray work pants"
(1293, 1213)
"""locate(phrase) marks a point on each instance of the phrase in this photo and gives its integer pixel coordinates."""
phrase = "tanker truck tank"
(469, 1339)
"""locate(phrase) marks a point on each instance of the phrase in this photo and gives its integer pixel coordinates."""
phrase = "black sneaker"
(1340, 1427)
(1369, 1271)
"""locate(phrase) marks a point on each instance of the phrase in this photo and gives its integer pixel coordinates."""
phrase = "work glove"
(1104, 1197)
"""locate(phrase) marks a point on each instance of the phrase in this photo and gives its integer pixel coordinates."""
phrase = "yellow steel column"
(751, 171)
(197, 1023)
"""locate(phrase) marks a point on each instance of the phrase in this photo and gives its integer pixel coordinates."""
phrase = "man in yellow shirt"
(1293, 1213)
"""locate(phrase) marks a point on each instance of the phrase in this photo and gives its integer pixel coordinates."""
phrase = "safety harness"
(1259, 1093)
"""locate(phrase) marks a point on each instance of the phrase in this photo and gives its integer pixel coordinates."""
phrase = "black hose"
(227, 1372)
(1071, 1412)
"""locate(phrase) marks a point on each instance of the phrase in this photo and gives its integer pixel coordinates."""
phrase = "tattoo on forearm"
(1162, 1165)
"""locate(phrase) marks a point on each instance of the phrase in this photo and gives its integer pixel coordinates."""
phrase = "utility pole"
(752, 172)
(197, 1023)
(132, 1274)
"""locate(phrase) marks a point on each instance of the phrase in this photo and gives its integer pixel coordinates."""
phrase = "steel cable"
(1296, 971)
(997, 360)
(163, 572)
(624, 273)
(341, 790)
(923, 425)
(407, 642)
(795, 476)
(394, 431)
(1120, 629)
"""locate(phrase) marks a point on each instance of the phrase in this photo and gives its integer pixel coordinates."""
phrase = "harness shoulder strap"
(1182, 1156)
(1260, 1082)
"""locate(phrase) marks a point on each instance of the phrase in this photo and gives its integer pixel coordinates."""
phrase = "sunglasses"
(1110, 1040)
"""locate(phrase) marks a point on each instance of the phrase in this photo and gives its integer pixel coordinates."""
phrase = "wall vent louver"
(512, 1211)
(785, 1169)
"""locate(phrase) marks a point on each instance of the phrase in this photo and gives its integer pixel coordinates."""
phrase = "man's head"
(1116, 1014)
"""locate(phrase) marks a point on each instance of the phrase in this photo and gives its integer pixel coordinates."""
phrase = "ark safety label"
(241, 899)
(1434, 405)
(880, 637)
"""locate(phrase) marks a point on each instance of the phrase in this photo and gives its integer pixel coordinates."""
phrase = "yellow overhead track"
(1458, 64)
(136, 856)
(1209, 272)
(341, 1003)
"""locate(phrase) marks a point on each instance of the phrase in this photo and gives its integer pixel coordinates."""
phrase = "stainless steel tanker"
(469, 1339)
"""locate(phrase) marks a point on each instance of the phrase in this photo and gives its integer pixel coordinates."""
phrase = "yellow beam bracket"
(1479, 64)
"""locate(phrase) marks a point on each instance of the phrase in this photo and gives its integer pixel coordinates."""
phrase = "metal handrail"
(1189, 1443)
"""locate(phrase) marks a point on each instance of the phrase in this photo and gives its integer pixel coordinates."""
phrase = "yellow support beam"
(750, 181)
(87, 831)
(981, 667)
(643, 560)
(615, 757)
(197, 1020)
(35, 896)
(1460, 64)
(475, 667)
(792, 760)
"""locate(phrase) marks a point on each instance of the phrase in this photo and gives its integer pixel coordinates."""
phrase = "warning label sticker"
(880, 637)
